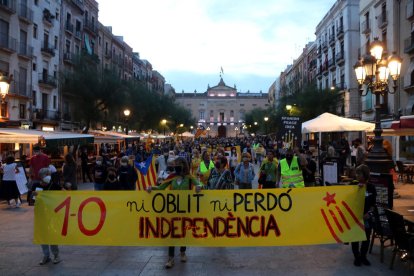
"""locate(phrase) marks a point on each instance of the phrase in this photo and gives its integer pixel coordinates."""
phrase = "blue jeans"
(53, 248)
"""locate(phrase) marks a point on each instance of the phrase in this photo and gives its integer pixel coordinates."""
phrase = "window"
(34, 67)
(56, 42)
(35, 31)
(22, 111)
(221, 116)
(54, 102)
(36, 2)
(201, 115)
(241, 104)
(34, 98)
(367, 101)
(3, 112)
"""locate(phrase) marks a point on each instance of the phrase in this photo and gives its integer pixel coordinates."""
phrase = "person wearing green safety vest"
(254, 147)
(290, 171)
(206, 165)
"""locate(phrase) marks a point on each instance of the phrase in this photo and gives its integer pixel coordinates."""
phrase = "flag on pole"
(147, 175)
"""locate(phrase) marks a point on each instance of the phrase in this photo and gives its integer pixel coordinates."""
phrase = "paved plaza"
(19, 256)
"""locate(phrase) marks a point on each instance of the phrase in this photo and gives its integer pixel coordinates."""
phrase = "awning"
(24, 136)
(328, 122)
(112, 137)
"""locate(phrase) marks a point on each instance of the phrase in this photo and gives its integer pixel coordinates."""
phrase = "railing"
(331, 62)
(25, 13)
(409, 45)
(90, 25)
(365, 27)
(325, 45)
(47, 79)
(382, 20)
(42, 114)
(48, 48)
(78, 34)
(331, 39)
(410, 9)
(69, 27)
(25, 50)
(8, 42)
(340, 31)
(68, 57)
(9, 6)
(340, 57)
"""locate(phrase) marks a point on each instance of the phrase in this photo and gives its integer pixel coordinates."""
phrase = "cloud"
(258, 38)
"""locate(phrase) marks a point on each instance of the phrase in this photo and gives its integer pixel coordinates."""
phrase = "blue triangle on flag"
(144, 165)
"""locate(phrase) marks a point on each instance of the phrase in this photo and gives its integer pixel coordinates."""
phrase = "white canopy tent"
(328, 122)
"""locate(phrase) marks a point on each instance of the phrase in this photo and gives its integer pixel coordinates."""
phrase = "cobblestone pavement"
(19, 256)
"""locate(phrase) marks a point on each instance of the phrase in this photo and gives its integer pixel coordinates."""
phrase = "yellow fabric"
(331, 214)
(291, 176)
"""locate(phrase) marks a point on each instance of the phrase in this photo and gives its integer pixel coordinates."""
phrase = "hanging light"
(383, 71)
(360, 72)
(394, 65)
(376, 49)
(4, 86)
(370, 65)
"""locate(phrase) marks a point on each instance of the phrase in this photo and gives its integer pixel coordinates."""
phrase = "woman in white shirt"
(12, 193)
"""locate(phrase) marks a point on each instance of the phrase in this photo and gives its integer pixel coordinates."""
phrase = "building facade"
(221, 109)
(337, 39)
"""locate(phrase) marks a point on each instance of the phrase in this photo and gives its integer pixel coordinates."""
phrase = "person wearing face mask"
(69, 172)
(111, 181)
(206, 165)
(99, 174)
(183, 180)
(290, 171)
(233, 160)
(127, 176)
(46, 184)
(268, 171)
(220, 177)
(195, 162)
(309, 170)
(244, 172)
(161, 162)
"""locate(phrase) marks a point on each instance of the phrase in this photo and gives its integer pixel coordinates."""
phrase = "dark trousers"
(171, 250)
(269, 185)
(361, 252)
(85, 171)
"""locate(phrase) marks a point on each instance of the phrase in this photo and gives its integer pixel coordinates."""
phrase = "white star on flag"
(142, 165)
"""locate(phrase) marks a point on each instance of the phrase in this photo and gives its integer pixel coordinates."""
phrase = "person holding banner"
(290, 171)
(220, 177)
(47, 184)
(244, 172)
(268, 171)
(206, 165)
(360, 249)
(182, 181)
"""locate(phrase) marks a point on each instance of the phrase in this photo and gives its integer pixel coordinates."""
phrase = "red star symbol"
(330, 198)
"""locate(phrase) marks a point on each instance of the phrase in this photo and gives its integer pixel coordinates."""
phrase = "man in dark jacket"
(127, 175)
(99, 174)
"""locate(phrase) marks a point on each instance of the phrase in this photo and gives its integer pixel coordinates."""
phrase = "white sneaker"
(183, 257)
(170, 263)
(18, 203)
(12, 203)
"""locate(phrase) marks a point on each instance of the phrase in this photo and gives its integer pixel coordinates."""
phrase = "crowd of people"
(205, 163)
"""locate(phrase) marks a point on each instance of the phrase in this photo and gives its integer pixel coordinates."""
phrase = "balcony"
(47, 80)
(8, 6)
(409, 45)
(319, 52)
(78, 4)
(44, 114)
(25, 14)
(25, 51)
(8, 43)
(23, 89)
(331, 64)
(382, 20)
(410, 10)
(108, 54)
(48, 17)
(48, 49)
(69, 27)
(78, 34)
(325, 46)
(90, 26)
(319, 72)
(340, 58)
(68, 57)
(332, 40)
(365, 27)
(340, 32)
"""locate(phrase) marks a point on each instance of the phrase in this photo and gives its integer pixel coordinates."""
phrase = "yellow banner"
(275, 217)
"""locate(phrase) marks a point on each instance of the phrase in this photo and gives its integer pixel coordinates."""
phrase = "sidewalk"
(18, 256)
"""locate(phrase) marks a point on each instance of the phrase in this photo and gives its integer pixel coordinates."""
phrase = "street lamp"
(127, 112)
(164, 123)
(373, 71)
(4, 86)
(266, 119)
(235, 130)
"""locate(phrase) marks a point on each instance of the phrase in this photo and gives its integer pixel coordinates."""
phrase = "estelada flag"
(147, 176)
(200, 132)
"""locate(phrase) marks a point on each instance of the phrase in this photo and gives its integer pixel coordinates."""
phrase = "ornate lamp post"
(127, 112)
(265, 120)
(373, 72)
(4, 86)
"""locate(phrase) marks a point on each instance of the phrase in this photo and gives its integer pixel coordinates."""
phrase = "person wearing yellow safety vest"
(290, 171)
(206, 165)
(268, 171)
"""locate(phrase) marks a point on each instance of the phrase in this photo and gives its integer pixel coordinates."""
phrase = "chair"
(401, 236)
(381, 230)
